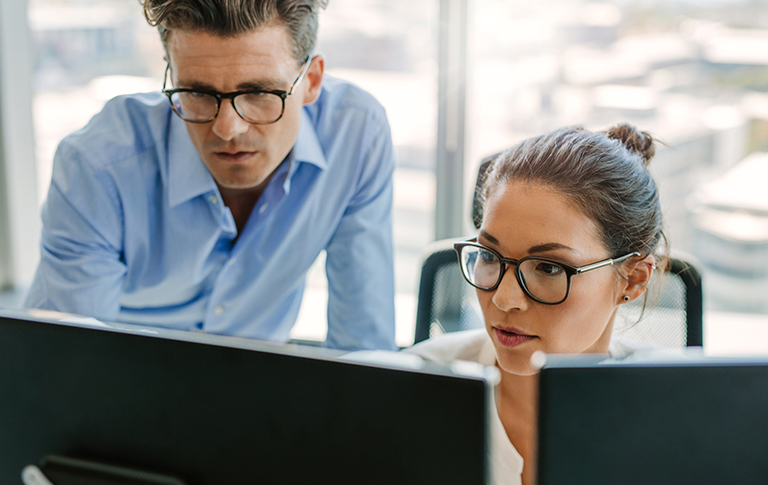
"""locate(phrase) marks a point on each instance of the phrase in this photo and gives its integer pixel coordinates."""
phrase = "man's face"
(241, 155)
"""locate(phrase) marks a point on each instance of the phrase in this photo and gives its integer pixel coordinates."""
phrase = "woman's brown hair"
(604, 174)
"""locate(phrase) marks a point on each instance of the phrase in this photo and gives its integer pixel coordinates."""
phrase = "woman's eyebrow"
(540, 248)
(490, 238)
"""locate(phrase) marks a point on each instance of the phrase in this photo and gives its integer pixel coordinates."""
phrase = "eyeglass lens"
(254, 107)
(543, 280)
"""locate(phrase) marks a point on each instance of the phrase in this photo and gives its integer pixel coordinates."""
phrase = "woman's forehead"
(522, 215)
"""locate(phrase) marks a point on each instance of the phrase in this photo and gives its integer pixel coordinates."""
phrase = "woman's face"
(523, 219)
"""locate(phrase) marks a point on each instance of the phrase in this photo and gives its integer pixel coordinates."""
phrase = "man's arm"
(359, 265)
(81, 269)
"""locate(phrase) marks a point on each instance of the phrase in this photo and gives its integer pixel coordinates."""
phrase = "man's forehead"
(269, 42)
(263, 56)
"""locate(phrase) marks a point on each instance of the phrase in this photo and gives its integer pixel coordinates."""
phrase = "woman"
(570, 232)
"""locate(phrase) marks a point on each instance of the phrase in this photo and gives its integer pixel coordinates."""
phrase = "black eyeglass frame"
(232, 95)
(570, 270)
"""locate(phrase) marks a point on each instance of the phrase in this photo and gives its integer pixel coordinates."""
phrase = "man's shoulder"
(126, 126)
(339, 97)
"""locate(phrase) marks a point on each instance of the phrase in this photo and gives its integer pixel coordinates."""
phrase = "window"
(692, 73)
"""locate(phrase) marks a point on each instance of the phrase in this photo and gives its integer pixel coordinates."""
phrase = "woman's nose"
(509, 295)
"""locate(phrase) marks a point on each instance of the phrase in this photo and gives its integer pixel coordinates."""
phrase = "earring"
(626, 298)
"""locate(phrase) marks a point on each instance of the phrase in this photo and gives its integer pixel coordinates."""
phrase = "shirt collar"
(307, 148)
(188, 177)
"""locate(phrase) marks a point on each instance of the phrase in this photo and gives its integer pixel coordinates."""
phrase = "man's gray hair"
(227, 18)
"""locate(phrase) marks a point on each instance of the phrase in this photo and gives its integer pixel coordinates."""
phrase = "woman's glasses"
(544, 280)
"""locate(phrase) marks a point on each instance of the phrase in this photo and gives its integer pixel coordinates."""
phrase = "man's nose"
(228, 124)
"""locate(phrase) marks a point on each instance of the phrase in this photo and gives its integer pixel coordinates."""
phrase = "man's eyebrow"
(196, 85)
(248, 86)
(255, 85)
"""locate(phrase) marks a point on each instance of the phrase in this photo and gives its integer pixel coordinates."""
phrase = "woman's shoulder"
(621, 348)
(470, 345)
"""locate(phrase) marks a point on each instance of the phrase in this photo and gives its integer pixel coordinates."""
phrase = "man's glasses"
(544, 280)
(257, 106)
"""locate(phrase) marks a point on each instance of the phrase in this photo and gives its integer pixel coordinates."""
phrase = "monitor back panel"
(675, 424)
(212, 414)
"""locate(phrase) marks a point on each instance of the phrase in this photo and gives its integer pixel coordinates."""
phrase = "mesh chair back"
(446, 302)
(672, 317)
(673, 310)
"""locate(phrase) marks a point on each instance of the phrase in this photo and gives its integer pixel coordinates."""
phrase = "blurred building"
(730, 226)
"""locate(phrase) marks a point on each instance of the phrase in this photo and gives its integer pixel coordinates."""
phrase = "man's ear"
(314, 78)
(637, 274)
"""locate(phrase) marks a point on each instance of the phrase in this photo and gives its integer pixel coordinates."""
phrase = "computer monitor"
(202, 409)
(655, 420)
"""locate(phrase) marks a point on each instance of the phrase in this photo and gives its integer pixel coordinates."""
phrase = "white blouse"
(476, 346)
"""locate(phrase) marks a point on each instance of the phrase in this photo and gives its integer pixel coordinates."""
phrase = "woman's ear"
(637, 276)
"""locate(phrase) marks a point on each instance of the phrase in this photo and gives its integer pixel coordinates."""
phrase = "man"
(203, 207)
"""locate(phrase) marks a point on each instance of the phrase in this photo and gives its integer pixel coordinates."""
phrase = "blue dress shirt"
(134, 229)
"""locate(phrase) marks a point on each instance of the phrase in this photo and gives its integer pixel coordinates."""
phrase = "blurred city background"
(694, 73)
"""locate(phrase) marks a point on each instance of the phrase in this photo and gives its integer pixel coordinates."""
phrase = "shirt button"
(213, 199)
(232, 260)
(263, 208)
(218, 310)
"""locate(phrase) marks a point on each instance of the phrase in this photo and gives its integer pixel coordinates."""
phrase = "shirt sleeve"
(81, 267)
(359, 264)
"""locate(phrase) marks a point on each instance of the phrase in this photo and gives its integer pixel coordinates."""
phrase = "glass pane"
(88, 51)
(388, 47)
(694, 74)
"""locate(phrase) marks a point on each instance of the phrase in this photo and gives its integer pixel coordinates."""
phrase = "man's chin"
(238, 176)
(239, 184)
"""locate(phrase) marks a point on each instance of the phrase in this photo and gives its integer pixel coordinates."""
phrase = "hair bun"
(634, 140)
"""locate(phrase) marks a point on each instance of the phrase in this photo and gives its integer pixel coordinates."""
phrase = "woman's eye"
(549, 268)
(487, 257)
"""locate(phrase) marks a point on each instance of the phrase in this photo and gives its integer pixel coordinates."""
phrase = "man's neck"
(242, 201)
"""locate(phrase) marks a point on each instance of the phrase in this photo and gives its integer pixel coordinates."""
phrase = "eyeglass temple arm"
(304, 70)
(607, 262)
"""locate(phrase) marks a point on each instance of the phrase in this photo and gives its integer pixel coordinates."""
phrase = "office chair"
(673, 316)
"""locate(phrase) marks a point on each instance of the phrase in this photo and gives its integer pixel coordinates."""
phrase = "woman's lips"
(235, 157)
(510, 337)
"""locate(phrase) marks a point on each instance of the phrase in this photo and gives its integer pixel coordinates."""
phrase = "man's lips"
(234, 156)
(512, 337)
